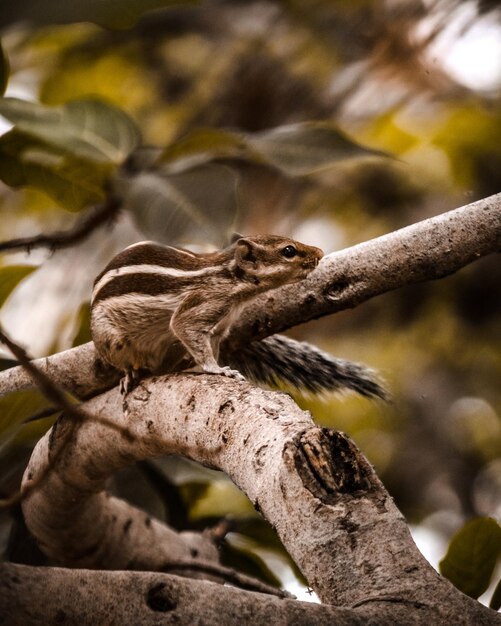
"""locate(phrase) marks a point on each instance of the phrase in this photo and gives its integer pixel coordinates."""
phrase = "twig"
(227, 574)
(55, 395)
(218, 532)
(84, 226)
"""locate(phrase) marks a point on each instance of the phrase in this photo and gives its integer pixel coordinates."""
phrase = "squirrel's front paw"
(224, 371)
(129, 381)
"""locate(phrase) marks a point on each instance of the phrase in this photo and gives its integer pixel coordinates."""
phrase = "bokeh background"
(418, 80)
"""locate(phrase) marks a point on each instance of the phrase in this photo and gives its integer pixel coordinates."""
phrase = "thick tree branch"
(423, 251)
(31, 596)
(325, 501)
(89, 222)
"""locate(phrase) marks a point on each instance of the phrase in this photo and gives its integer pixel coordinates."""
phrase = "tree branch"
(83, 227)
(30, 596)
(427, 250)
(317, 490)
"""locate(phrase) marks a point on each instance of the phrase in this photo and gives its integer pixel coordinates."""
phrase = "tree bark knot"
(329, 465)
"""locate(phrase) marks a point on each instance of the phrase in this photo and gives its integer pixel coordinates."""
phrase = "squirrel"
(162, 309)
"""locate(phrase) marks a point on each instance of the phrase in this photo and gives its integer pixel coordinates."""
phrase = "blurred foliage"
(10, 276)
(113, 13)
(472, 556)
(4, 71)
(83, 334)
(271, 116)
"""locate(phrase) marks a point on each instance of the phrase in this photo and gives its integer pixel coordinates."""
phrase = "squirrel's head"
(272, 261)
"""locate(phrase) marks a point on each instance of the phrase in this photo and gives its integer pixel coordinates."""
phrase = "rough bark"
(317, 490)
(32, 596)
(427, 250)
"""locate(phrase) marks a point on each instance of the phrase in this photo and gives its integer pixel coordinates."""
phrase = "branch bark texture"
(31, 596)
(427, 250)
(316, 489)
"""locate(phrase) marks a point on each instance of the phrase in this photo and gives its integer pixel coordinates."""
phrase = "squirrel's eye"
(289, 252)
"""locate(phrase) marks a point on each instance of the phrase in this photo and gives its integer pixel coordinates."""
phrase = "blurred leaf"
(15, 408)
(296, 150)
(495, 602)
(208, 143)
(472, 555)
(10, 276)
(72, 181)
(89, 129)
(4, 70)
(245, 560)
(201, 201)
(218, 499)
(259, 530)
(111, 13)
(83, 334)
(301, 149)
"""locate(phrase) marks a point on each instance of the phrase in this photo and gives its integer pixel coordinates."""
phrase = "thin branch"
(84, 226)
(227, 574)
(55, 395)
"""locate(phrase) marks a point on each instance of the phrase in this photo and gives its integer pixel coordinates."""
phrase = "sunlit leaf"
(296, 150)
(10, 276)
(201, 201)
(89, 129)
(472, 555)
(111, 13)
(217, 499)
(71, 181)
(15, 408)
(4, 70)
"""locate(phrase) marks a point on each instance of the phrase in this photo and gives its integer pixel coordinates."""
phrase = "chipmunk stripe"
(136, 278)
(145, 253)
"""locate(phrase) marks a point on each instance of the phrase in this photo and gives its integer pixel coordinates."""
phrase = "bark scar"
(329, 465)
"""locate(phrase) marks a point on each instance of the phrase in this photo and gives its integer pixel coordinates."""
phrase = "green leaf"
(295, 150)
(88, 129)
(4, 70)
(207, 144)
(201, 202)
(15, 408)
(110, 13)
(495, 602)
(217, 499)
(71, 181)
(472, 555)
(301, 149)
(10, 276)
(244, 559)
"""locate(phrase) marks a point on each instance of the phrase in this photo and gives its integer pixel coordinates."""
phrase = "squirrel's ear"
(235, 237)
(245, 252)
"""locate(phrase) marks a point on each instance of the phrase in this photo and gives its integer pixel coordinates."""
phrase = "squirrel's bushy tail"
(279, 361)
